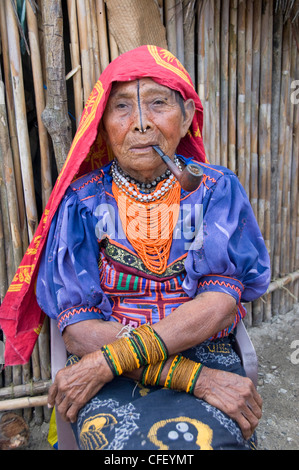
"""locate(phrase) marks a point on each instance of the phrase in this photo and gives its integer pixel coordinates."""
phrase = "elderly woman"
(146, 279)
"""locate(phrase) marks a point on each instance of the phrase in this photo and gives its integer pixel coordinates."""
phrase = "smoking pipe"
(191, 176)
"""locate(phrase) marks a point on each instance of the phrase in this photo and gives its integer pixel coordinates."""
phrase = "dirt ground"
(277, 346)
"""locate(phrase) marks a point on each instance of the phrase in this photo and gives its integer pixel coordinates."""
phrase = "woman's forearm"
(190, 324)
(195, 321)
(90, 335)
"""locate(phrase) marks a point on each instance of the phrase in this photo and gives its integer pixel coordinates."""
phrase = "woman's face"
(144, 105)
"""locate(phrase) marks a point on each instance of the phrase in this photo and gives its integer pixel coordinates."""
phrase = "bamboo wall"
(243, 58)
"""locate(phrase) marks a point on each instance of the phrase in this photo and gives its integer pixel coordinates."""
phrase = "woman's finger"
(59, 398)
(52, 395)
(255, 407)
(248, 417)
(63, 407)
(247, 426)
(72, 413)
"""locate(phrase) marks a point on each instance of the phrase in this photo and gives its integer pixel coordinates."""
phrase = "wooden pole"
(294, 187)
(75, 59)
(102, 32)
(21, 119)
(276, 84)
(113, 46)
(9, 179)
(224, 50)
(84, 49)
(206, 102)
(90, 44)
(255, 104)
(282, 282)
(7, 269)
(282, 162)
(276, 161)
(286, 189)
(265, 130)
(32, 388)
(188, 33)
(200, 54)
(46, 179)
(232, 104)
(210, 52)
(180, 31)
(55, 116)
(248, 80)
(45, 358)
(241, 92)
(295, 232)
(95, 39)
(248, 85)
(26, 376)
(257, 11)
(13, 127)
(36, 376)
(25, 402)
(170, 23)
(217, 21)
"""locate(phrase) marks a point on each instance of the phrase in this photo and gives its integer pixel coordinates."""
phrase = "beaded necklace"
(148, 219)
(143, 192)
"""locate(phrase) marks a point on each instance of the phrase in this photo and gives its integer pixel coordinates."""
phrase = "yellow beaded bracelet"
(144, 346)
(183, 374)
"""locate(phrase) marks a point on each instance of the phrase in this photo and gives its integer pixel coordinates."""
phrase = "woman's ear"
(189, 106)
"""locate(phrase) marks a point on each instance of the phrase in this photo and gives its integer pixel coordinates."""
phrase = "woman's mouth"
(142, 148)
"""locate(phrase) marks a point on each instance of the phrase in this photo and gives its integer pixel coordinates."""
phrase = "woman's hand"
(75, 385)
(233, 394)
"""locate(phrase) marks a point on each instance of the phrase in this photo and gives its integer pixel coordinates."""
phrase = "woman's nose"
(142, 121)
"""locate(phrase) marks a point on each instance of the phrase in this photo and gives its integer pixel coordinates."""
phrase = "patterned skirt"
(126, 415)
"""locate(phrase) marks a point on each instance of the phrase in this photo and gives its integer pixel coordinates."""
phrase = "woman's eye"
(121, 105)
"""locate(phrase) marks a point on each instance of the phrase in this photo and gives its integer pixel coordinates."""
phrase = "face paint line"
(139, 106)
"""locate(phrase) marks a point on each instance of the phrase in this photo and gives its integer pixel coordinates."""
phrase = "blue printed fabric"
(125, 415)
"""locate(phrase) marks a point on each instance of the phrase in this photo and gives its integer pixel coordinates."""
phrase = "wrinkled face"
(140, 114)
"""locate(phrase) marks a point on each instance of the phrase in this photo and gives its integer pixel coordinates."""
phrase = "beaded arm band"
(182, 375)
(144, 346)
(151, 373)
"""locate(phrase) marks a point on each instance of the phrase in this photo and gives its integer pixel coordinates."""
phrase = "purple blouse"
(89, 270)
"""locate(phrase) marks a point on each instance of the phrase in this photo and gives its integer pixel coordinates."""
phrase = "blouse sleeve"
(68, 284)
(232, 256)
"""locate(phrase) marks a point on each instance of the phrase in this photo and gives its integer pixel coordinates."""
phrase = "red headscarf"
(21, 318)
